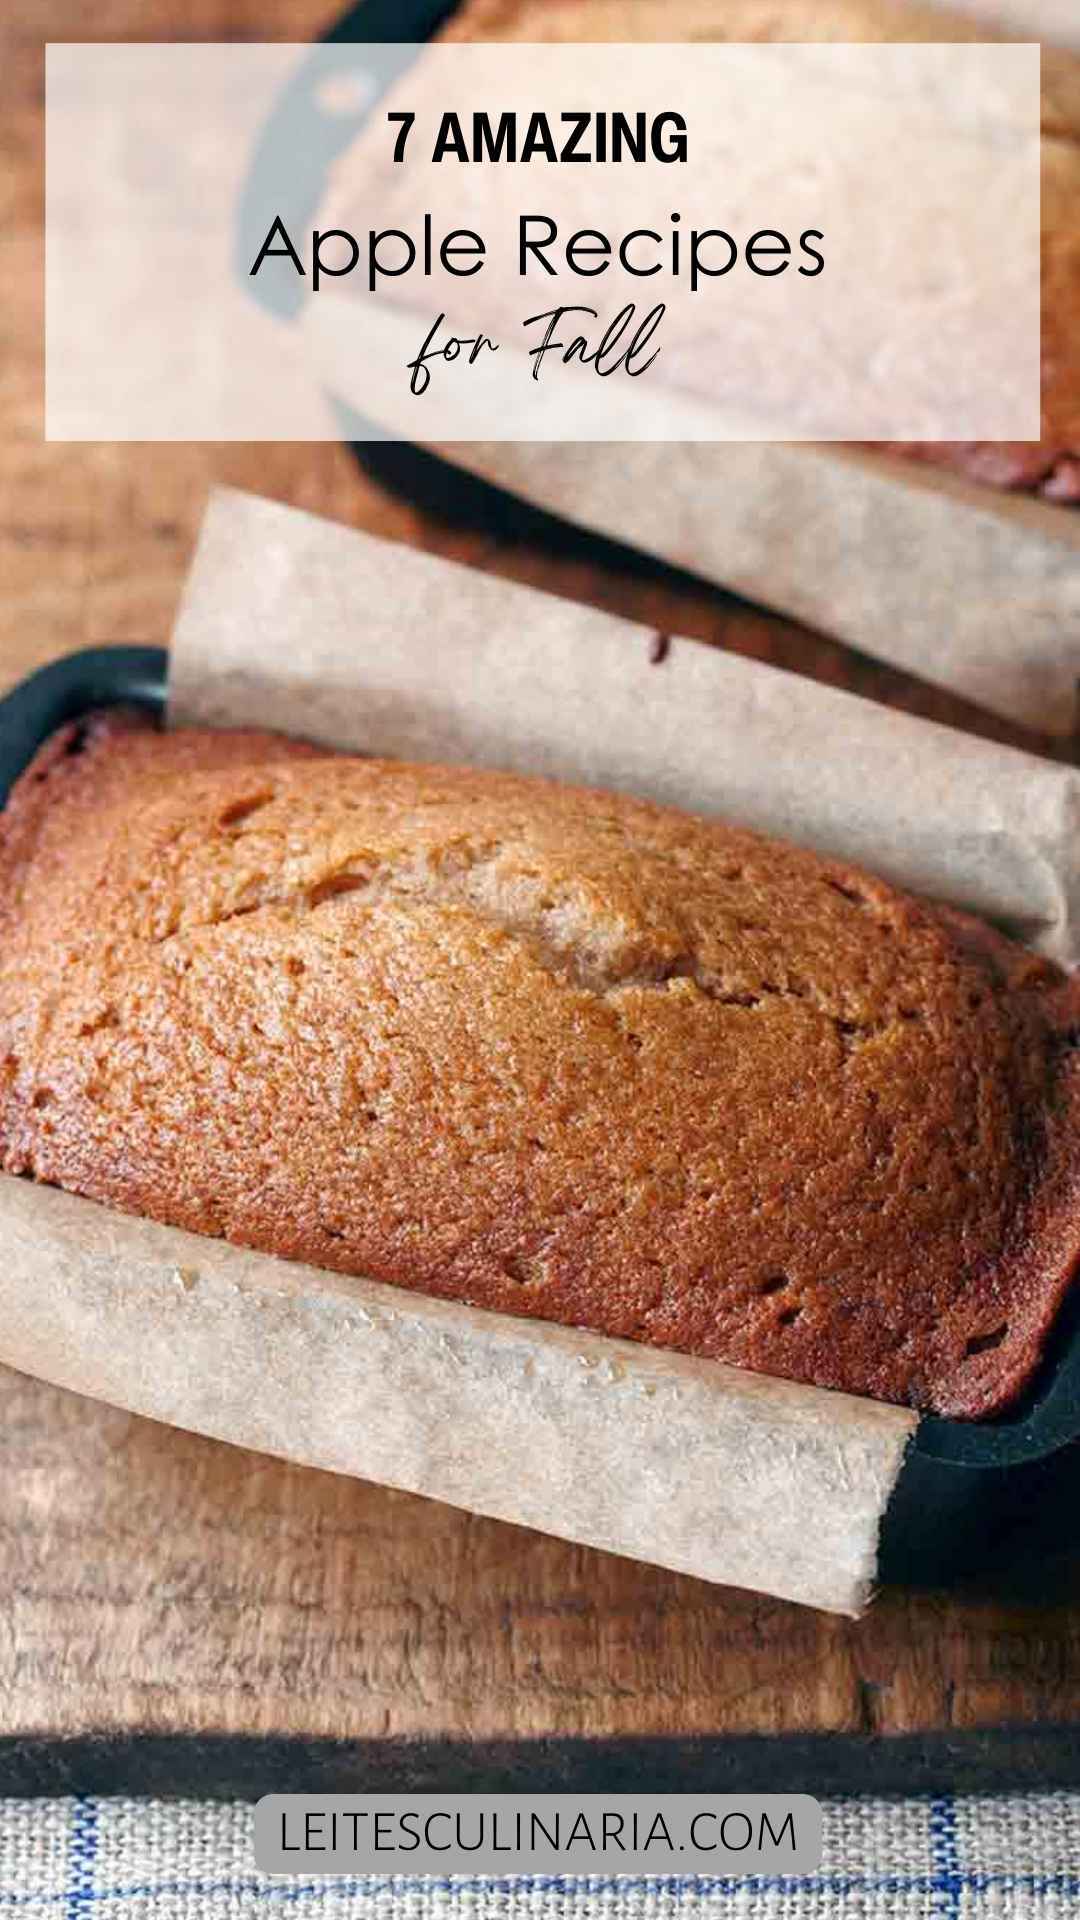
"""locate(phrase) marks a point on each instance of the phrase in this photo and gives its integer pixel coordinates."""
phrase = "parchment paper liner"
(969, 587)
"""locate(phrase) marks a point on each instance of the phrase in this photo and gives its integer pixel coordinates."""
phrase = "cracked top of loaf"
(557, 1052)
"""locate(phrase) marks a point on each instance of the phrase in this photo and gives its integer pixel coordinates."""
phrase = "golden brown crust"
(556, 1052)
(1050, 467)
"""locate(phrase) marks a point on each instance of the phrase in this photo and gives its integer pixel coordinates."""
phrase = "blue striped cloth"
(943, 1858)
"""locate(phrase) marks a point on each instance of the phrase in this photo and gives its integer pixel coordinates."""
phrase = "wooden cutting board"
(229, 1622)
(178, 1615)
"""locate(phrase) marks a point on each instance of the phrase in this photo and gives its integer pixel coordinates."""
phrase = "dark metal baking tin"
(961, 1483)
(68, 689)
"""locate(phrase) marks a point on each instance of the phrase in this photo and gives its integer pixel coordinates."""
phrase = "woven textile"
(919, 1859)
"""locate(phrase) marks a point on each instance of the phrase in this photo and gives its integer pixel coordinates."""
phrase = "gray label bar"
(432, 1833)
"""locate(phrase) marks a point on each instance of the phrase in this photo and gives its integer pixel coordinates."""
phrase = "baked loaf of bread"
(1051, 466)
(552, 1051)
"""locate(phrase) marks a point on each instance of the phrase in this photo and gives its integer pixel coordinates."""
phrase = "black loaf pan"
(962, 1483)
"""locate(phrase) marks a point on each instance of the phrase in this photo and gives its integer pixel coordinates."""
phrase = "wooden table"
(231, 1622)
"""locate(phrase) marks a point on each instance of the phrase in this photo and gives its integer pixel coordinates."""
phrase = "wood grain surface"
(155, 1584)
